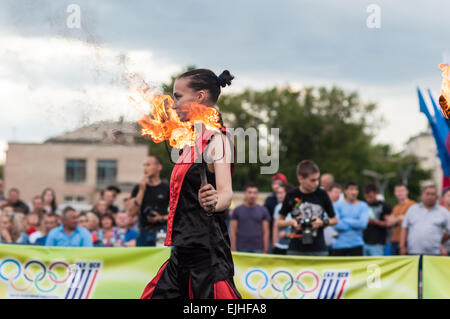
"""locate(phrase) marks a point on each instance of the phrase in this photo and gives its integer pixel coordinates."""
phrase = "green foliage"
(332, 127)
(1, 171)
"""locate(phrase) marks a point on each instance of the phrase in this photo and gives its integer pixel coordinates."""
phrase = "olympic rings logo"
(34, 277)
(282, 284)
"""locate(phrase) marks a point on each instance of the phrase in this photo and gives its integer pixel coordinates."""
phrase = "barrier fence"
(122, 273)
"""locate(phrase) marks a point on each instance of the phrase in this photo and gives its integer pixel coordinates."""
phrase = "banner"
(109, 273)
(77, 273)
(292, 277)
(435, 277)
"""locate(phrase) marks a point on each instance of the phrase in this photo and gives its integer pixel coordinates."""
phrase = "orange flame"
(163, 124)
(444, 99)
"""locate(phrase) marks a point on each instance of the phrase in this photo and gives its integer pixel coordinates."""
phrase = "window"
(75, 170)
(106, 171)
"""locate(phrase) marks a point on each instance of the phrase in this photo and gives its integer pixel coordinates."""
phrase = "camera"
(304, 216)
(149, 212)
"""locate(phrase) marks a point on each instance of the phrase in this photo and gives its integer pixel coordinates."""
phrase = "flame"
(444, 99)
(162, 122)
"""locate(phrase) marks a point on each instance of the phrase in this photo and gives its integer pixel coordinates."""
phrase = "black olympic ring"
(282, 272)
(38, 263)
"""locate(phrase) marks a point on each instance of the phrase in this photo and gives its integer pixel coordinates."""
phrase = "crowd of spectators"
(316, 217)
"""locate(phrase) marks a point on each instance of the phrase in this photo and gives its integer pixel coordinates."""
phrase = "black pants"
(354, 251)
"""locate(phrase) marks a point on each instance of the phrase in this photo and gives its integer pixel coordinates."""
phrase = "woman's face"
(107, 223)
(48, 196)
(184, 95)
(102, 206)
(92, 223)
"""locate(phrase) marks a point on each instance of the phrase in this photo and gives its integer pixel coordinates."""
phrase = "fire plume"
(444, 99)
(162, 122)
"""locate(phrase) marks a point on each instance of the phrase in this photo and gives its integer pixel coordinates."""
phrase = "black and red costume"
(201, 265)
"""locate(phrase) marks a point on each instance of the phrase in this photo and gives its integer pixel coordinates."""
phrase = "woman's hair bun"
(225, 78)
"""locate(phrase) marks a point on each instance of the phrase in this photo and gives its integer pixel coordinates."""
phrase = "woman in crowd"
(11, 229)
(110, 235)
(93, 225)
(101, 208)
(49, 201)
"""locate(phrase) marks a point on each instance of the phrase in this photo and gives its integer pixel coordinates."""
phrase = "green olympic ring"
(41, 289)
(287, 284)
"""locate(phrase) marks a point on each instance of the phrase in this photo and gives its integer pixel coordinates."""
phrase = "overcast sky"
(54, 78)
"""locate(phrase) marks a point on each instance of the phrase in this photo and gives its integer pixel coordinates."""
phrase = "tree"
(332, 127)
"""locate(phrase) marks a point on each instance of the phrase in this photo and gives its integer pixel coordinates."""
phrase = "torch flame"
(444, 99)
(162, 123)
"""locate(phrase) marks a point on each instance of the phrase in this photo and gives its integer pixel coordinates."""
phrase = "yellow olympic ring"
(277, 296)
(11, 280)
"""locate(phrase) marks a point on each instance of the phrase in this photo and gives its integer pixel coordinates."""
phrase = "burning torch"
(444, 98)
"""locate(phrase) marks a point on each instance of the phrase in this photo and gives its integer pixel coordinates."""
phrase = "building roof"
(103, 132)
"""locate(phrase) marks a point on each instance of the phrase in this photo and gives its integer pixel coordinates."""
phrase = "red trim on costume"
(223, 290)
(191, 292)
(179, 172)
(150, 288)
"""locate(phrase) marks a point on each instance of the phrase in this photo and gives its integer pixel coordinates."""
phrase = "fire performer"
(201, 264)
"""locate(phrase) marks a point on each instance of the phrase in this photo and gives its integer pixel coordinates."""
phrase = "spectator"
(150, 200)
(48, 223)
(38, 205)
(326, 181)
(335, 192)
(425, 226)
(11, 229)
(446, 200)
(33, 222)
(249, 225)
(83, 220)
(122, 221)
(92, 225)
(133, 223)
(398, 213)
(49, 201)
(376, 231)
(109, 196)
(16, 203)
(280, 237)
(330, 233)
(126, 200)
(271, 201)
(69, 233)
(307, 202)
(109, 235)
(116, 190)
(2, 194)
(101, 208)
(353, 217)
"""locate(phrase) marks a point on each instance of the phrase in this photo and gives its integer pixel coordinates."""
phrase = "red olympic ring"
(316, 278)
(69, 271)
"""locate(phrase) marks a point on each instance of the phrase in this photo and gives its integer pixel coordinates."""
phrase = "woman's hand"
(208, 198)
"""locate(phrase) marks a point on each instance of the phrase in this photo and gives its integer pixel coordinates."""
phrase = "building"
(424, 148)
(78, 164)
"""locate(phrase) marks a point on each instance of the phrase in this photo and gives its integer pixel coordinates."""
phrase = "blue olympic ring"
(260, 271)
(14, 262)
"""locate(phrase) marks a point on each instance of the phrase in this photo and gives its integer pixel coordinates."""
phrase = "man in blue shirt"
(69, 233)
(353, 218)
